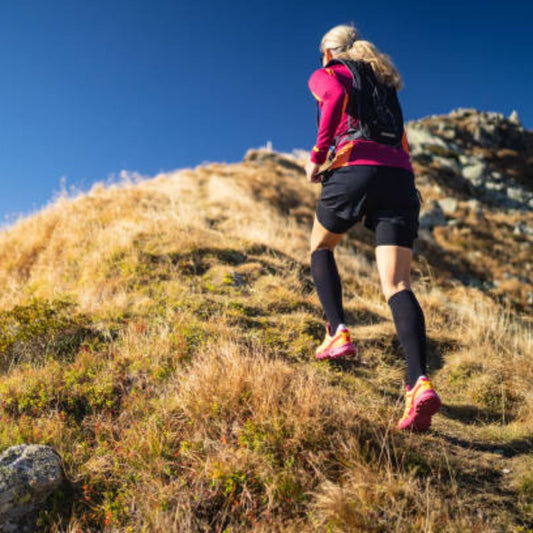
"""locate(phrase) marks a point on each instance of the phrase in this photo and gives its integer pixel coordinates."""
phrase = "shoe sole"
(334, 353)
(427, 405)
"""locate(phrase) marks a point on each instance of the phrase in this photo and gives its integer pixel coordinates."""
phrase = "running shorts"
(385, 198)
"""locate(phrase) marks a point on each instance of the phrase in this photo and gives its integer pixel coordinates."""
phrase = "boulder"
(28, 474)
(432, 216)
(514, 118)
(495, 186)
(448, 205)
(447, 163)
(475, 172)
(467, 160)
(418, 137)
(518, 194)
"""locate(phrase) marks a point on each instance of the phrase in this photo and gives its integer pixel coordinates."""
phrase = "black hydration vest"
(373, 104)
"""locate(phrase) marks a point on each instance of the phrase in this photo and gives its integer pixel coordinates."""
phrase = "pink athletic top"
(331, 87)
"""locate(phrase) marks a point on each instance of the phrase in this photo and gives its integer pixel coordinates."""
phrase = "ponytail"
(345, 41)
(381, 64)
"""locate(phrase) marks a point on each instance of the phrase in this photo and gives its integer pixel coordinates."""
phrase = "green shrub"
(42, 330)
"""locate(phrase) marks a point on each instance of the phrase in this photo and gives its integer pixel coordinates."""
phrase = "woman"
(372, 181)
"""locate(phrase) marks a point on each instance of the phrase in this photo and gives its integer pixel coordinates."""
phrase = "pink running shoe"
(337, 345)
(421, 403)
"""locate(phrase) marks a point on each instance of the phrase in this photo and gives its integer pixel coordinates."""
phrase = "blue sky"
(91, 87)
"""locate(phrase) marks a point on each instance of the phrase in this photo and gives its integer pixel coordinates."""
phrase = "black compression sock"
(328, 286)
(410, 326)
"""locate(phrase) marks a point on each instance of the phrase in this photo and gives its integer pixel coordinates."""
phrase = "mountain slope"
(160, 335)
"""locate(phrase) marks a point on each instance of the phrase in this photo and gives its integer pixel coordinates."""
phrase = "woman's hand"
(311, 170)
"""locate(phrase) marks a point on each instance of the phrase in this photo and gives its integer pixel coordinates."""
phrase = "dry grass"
(172, 368)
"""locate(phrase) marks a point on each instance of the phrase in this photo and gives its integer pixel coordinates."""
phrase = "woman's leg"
(421, 400)
(325, 273)
(394, 266)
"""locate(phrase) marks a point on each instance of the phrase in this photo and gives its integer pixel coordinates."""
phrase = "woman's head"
(339, 39)
(344, 42)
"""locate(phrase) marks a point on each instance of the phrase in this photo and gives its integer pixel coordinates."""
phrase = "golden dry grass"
(172, 368)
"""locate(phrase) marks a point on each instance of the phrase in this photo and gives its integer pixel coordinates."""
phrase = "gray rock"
(523, 229)
(466, 160)
(477, 208)
(448, 205)
(493, 116)
(517, 193)
(424, 234)
(475, 172)
(449, 134)
(514, 118)
(474, 204)
(495, 186)
(419, 137)
(432, 216)
(448, 163)
(489, 130)
(28, 474)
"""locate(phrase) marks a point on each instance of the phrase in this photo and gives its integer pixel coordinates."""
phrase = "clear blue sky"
(91, 87)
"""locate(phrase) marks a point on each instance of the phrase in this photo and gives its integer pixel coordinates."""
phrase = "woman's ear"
(327, 56)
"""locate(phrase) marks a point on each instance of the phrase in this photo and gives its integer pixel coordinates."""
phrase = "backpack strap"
(354, 131)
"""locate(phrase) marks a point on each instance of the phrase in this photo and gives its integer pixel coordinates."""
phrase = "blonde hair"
(345, 42)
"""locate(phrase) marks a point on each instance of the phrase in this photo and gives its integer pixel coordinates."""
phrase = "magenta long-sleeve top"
(331, 86)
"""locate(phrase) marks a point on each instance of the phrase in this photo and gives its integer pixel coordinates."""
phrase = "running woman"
(374, 182)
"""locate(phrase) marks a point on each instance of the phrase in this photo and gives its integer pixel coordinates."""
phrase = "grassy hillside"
(160, 335)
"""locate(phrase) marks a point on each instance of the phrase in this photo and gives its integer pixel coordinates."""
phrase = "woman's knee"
(390, 289)
(321, 238)
(321, 244)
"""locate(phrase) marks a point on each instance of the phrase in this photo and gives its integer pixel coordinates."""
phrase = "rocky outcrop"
(475, 172)
(28, 474)
(481, 155)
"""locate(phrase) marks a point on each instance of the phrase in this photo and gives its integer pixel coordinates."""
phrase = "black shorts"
(385, 196)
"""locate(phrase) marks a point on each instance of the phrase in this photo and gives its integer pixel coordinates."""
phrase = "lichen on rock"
(28, 474)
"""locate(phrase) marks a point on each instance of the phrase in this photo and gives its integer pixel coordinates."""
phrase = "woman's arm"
(333, 100)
